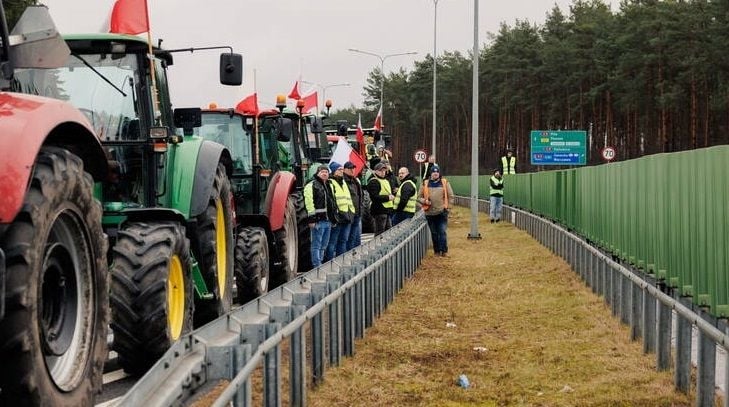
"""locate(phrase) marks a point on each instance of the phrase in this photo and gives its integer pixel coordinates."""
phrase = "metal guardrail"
(645, 304)
(344, 295)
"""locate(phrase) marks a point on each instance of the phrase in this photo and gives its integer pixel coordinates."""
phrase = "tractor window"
(106, 96)
(229, 131)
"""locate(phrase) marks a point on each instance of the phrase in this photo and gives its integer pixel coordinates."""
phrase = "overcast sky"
(284, 40)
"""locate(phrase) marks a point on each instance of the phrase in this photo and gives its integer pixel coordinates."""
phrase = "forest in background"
(651, 77)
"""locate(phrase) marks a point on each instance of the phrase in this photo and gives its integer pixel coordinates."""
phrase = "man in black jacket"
(381, 195)
(405, 197)
(355, 190)
(321, 208)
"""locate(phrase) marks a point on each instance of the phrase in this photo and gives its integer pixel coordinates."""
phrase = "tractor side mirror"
(231, 69)
(35, 41)
(187, 119)
(284, 129)
(317, 125)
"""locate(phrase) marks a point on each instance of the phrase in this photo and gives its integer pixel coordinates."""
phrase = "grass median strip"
(513, 318)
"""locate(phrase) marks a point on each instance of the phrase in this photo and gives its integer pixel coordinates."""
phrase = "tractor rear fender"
(194, 165)
(29, 122)
(282, 184)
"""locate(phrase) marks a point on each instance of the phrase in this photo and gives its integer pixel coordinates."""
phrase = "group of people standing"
(333, 200)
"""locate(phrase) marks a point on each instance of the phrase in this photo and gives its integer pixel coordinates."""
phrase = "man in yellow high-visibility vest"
(508, 163)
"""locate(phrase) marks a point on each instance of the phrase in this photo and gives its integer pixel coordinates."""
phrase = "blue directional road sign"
(558, 147)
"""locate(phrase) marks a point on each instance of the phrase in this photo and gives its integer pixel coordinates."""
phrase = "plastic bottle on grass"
(463, 381)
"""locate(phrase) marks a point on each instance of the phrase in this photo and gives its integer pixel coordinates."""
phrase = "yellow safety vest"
(508, 165)
(410, 206)
(385, 189)
(343, 197)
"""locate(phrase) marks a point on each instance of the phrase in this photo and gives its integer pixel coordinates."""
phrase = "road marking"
(114, 376)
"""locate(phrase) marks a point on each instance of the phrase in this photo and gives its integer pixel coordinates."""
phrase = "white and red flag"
(378, 120)
(344, 152)
(129, 17)
(360, 136)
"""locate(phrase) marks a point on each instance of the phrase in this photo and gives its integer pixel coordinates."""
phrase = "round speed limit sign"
(608, 153)
(420, 156)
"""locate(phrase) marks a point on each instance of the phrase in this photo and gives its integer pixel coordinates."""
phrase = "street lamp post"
(325, 87)
(382, 59)
(435, 65)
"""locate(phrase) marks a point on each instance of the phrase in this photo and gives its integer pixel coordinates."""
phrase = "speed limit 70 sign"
(608, 153)
(420, 156)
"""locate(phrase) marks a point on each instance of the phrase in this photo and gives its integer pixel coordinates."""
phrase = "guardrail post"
(335, 329)
(240, 358)
(625, 297)
(649, 320)
(318, 292)
(682, 373)
(706, 368)
(272, 371)
(359, 303)
(636, 307)
(347, 313)
(297, 372)
(665, 326)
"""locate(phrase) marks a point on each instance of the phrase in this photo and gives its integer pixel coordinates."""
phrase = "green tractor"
(167, 196)
(272, 234)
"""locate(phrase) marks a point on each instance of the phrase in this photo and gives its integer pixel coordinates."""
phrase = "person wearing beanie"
(355, 190)
(344, 215)
(436, 197)
(321, 211)
(382, 198)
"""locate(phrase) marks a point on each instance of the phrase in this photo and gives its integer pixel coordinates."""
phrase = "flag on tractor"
(249, 105)
(343, 152)
(294, 94)
(129, 17)
(310, 101)
(360, 136)
(378, 120)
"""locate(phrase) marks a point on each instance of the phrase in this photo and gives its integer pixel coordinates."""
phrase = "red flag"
(360, 136)
(295, 92)
(310, 101)
(343, 152)
(378, 120)
(129, 17)
(249, 105)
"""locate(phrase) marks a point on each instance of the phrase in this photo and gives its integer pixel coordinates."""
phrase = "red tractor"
(54, 283)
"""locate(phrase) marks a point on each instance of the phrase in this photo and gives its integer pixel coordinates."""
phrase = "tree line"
(648, 78)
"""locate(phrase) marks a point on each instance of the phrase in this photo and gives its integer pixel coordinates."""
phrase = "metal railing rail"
(641, 301)
(353, 289)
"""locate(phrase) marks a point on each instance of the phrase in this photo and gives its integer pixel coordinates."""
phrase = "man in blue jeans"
(436, 196)
(497, 196)
(320, 208)
(355, 190)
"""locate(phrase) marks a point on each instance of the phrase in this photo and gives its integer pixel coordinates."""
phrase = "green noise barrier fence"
(666, 214)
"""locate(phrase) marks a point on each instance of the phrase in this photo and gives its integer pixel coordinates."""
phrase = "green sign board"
(553, 147)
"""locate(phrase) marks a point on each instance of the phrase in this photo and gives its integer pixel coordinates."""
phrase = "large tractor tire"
(151, 292)
(53, 336)
(213, 247)
(251, 264)
(302, 221)
(285, 258)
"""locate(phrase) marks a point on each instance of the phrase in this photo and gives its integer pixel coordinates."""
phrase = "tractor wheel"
(368, 223)
(286, 257)
(151, 292)
(302, 220)
(212, 243)
(53, 336)
(251, 264)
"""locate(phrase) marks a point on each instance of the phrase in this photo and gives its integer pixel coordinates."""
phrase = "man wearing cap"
(321, 210)
(436, 196)
(496, 196)
(405, 197)
(428, 167)
(382, 198)
(344, 215)
(508, 163)
(355, 191)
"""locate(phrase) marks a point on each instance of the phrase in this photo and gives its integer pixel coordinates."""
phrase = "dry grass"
(548, 340)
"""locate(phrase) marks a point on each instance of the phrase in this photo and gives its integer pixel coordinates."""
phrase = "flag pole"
(255, 120)
(155, 95)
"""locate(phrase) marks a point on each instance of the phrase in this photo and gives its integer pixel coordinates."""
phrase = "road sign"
(558, 147)
(420, 156)
(608, 153)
